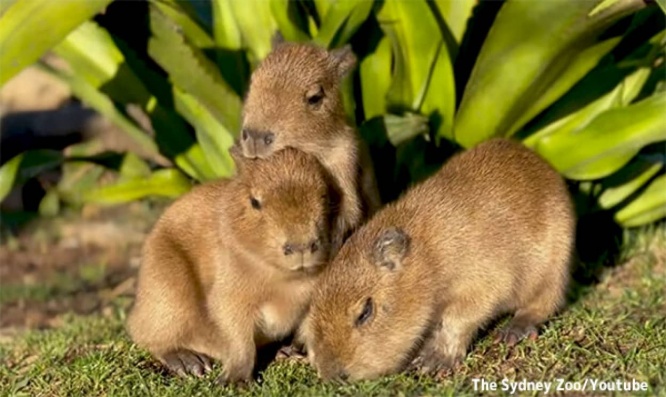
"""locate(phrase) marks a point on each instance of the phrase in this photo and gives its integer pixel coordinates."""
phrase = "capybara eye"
(269, 138)
(256, 204)
(314, 99)
(366, 313)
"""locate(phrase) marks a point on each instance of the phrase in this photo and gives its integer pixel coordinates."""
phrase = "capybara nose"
(290, 248)
(315, 245)
(263, 137)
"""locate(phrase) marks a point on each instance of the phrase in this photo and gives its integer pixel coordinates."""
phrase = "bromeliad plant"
(581, 82)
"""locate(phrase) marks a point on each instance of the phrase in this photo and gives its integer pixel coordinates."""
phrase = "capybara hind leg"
(526, 320)
(522, 326)
(447, 346)
(184, 362)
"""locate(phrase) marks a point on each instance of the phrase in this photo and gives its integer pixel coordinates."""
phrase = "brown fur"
(294, 100)
(490, 233)
(216, 281)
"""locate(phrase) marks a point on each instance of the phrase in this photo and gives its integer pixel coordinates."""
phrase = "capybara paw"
(184, 362)
(292, 351)
(434, 363)
(513, 334)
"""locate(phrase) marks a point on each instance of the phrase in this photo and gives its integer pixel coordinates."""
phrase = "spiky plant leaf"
(29, 28)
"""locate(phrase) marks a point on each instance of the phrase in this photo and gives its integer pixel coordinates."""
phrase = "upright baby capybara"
(294, 100)
(230, 266)
(492, 232)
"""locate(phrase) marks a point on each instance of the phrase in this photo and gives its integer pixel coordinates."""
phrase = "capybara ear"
(390, 248)
(343, 60)
(277, 39)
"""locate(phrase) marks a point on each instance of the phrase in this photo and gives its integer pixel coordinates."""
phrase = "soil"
(77, 262)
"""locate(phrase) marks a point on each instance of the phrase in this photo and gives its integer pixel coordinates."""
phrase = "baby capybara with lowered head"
(491, 232)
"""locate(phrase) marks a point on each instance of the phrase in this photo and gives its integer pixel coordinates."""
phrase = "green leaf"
(195, 34)
(603, 5)
(456, 14)
(215, 140)
(621, 95)
(423, 75)
(518, 61)
(225, 27)
(289, 20)
(662, 5)
(50, 204)
(609, 141)
(29, 28)
(8, 173)
(192, 72)
(103, 104)
(578, 68)
(194, 162)
(132, 167)
(322, 7)
(342, 20)
(94, 58)
(102, 78)
(77, 178)
(256, 26)
(166, 183)
(375, 71)
(627, 181)
(650, 206)
(5, 4)
(401, 129)
(25, 166)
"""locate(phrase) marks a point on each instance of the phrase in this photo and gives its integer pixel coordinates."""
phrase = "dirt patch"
(77, 263)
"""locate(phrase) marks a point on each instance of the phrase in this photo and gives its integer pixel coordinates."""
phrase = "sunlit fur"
(214, 277)
(277, 104)
(491, 232)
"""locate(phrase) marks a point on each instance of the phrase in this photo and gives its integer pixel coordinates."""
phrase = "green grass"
(60, 284)
(616, 330)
